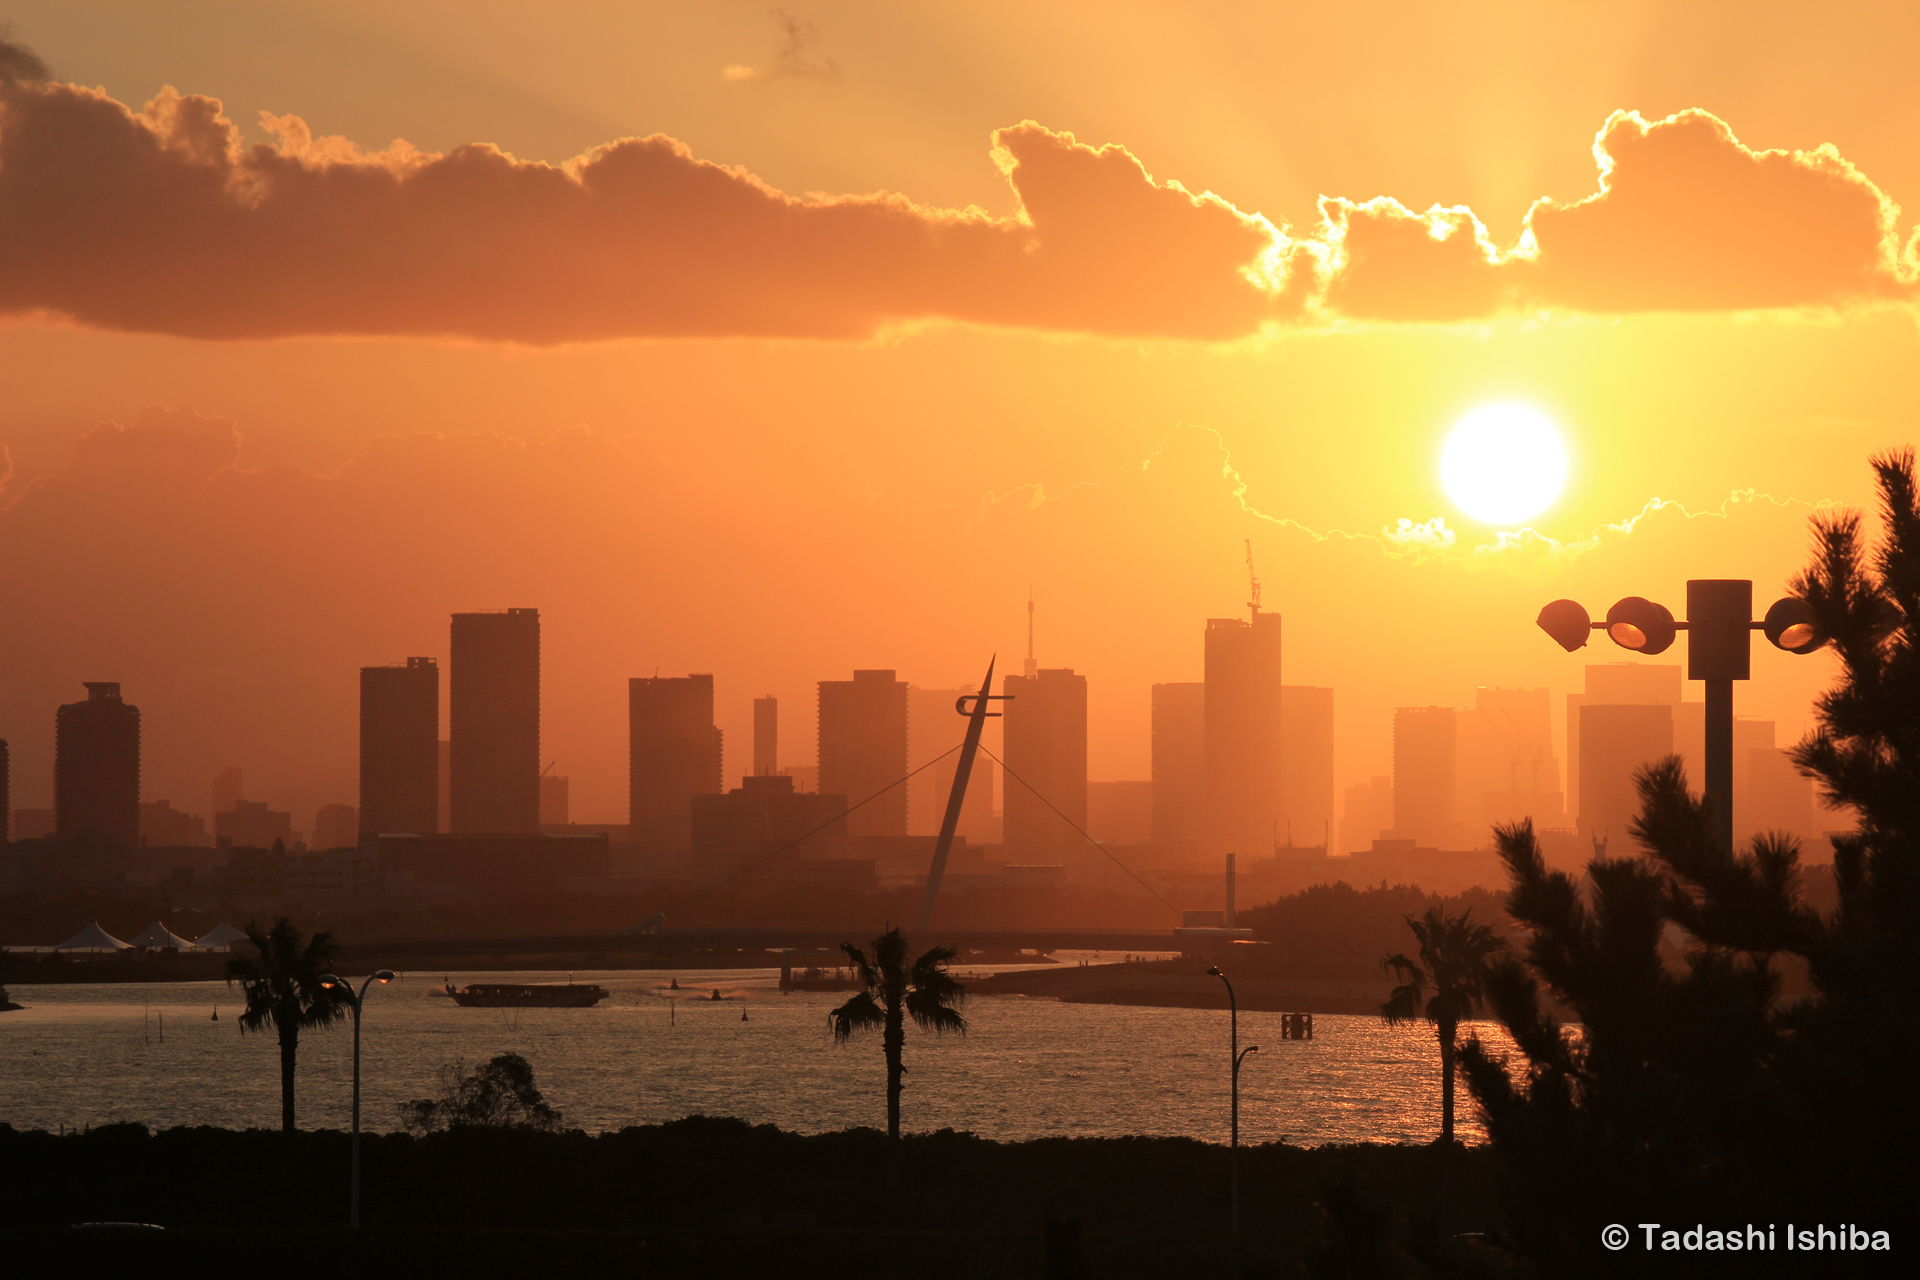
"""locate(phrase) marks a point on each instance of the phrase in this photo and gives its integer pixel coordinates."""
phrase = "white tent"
(159, 937)
(93, 938)
(221, 935)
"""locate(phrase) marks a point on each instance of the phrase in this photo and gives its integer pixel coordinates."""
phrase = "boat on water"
(527, 995)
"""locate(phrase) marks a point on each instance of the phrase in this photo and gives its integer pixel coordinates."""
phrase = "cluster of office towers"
(1241, 762)
(1459, 771)
(1239, 758)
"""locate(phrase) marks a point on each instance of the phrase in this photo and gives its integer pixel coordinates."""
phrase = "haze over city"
(506, 491)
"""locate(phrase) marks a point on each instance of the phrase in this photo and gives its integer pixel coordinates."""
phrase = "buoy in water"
(716, 994)
(216, 1013)
(743, 1015)
(673, 984)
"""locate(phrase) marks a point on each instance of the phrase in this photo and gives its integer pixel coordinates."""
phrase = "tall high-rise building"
(1120, 812)
(766, 736)
(336, 826)
(863, 748)
(1306, 765)
(1508, 770)
(493, 721)
(443, 816)
(1620, 684)
(96, 769)
(933, 727)
(1046, 753)
(674, 754)
(229, 789)
(1615, 741)
(1368, 813)
(1425, 774)
(1243, 719)
(1179, 764)
(399, 749)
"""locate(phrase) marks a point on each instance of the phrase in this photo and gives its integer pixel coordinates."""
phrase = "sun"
(1504, 463)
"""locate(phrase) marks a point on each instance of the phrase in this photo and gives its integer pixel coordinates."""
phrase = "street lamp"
(1719, 627)
(355, 1000)
(1239, 1056)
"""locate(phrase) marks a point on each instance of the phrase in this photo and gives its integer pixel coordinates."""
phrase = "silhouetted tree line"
(680, 1198)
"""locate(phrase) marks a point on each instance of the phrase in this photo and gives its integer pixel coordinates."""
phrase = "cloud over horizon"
(163, 220)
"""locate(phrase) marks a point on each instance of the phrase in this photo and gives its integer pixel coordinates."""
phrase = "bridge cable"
(758, 862)
(1076, 826)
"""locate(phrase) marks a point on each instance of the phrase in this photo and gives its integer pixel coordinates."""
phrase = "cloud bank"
(163, 220)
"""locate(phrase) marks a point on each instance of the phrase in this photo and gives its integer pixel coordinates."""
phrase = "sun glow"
(1504, 463)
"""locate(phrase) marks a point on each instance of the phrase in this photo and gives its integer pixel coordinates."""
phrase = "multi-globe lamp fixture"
(1719, 626)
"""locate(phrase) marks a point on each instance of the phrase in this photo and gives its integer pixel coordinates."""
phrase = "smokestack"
(1228, 918)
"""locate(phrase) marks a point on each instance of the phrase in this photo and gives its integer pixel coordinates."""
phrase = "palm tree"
(895, 989)
(1448, 984)
(281, 981)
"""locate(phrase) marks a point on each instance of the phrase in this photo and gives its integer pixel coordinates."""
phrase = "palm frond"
(860, 1013)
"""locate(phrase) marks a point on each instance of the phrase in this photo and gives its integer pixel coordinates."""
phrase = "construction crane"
(1253, 604)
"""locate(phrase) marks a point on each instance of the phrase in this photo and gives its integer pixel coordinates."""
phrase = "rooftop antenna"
(1033, 667)
(1253, 604)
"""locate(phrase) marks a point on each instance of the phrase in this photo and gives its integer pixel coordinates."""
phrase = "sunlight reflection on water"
(1028, 1068)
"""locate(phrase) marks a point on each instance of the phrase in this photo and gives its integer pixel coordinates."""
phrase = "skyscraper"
(674, 754)
(1179, 764)
(1623, 684)
(1424, 774)
(400, 749)
(766, 736)
(1616, 740)
(1306, 765)
(1046, 741)
(863, 748)
(96, 769)
(1508, 770)
(1243, 718)
(493, 721)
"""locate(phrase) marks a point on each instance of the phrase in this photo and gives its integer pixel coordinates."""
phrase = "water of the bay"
(87, 1055)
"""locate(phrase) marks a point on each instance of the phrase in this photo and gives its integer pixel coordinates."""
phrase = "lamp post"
(355, 1000)
(1239, 1056)
(1719, 627)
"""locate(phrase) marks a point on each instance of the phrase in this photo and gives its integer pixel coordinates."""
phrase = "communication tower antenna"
(1253, 604)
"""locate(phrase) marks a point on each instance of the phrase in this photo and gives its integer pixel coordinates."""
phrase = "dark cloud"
(164, 221)
(17, 62)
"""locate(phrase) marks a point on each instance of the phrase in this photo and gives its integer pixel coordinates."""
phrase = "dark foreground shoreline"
(705, 1197)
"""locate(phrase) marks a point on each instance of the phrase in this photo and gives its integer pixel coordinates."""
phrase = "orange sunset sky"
(779, 344)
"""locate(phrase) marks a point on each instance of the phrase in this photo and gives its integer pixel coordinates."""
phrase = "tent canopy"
(93, 938)
(221, 935)
(159, 936)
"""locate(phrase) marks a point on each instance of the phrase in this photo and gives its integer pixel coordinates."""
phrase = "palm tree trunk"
(289, 1049)
(1446, 1084)
(896, 1039)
